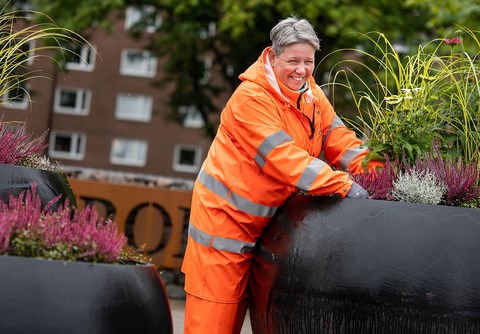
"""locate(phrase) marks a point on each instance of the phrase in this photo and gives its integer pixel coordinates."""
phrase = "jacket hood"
(261, 72)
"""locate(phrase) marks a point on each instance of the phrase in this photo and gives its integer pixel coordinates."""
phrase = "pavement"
(176, 295)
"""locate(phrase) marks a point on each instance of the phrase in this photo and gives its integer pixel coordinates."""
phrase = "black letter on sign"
(167, 226)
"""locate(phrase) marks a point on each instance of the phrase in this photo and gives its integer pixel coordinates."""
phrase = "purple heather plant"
(462, 179)
(379, 183)
(62, 234)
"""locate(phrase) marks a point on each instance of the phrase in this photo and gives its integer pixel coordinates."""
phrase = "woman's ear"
(271, 57)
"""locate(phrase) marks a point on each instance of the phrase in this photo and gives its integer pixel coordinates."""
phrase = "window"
(67, 145)
(82, 58)
(17, 96)
(134, 107)
(140, 63)
(192, 118)
(144, 18)
(25, 6)
(27, 52)
(207, 67)
(186, 158)
(72, 100)
(129, 152)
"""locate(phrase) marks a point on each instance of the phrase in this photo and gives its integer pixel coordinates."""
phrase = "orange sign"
(157, 218)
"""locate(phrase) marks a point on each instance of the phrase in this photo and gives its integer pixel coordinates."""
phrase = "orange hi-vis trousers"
(207, 317)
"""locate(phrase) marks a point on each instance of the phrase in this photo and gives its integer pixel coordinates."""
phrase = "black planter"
(15, 179)
(331, 265)
(44, 296)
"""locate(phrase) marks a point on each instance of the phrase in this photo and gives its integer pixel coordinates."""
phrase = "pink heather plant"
(64, 234)
(17, 145)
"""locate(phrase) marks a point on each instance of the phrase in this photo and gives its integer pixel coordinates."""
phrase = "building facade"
(104, 111)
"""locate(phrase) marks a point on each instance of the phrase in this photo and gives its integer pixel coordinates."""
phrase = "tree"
(233, 33)
(447, 15)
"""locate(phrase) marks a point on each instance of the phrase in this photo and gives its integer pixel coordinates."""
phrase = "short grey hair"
(293, 30)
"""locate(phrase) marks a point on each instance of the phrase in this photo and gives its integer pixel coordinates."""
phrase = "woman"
(272, 133)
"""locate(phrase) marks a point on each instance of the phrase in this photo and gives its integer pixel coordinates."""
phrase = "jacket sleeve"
(341, 147)
(256, 126)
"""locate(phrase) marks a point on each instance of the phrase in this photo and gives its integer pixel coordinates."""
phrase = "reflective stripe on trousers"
(219, 243)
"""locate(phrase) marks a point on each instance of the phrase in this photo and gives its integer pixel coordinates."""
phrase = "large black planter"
(15, 179)
(44, 296)
(331, 265)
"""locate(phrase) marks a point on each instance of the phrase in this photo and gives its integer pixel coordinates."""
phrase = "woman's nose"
(301, 68)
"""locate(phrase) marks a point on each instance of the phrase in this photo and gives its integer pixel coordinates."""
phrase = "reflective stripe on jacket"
(267, 148)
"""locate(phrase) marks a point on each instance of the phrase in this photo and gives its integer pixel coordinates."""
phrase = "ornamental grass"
(406, 102)
(21, 43)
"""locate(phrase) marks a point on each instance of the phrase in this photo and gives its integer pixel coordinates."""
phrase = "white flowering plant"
(415, 186)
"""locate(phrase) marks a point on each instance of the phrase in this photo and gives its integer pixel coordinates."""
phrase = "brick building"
(104, 113)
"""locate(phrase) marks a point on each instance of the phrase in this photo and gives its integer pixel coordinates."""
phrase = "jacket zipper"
(310, 121)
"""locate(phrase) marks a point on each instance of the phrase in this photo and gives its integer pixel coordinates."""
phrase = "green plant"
(26, 229)
(21, 41)
(405, 104)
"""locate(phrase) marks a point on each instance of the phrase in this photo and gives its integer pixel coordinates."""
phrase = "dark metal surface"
(44, 296)
(331, 265)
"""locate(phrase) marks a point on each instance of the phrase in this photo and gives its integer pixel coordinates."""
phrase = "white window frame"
(133, 15)
(78, 144)
(80, 108)
(26, 8)
(28, 48)
(146, 68)
(86, 59)
(10, 102)
(178, 166)
(191, 117)
(138, 149)
(133, 107)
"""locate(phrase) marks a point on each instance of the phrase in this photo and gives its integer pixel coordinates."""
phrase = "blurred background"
(141, 99)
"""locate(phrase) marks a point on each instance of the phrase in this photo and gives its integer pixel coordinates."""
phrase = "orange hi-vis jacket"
(267, 147)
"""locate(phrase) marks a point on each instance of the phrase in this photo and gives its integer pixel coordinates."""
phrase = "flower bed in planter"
(331, 265)
(74, 273)
(46, 296)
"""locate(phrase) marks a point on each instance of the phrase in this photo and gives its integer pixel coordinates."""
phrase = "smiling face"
(295, 65)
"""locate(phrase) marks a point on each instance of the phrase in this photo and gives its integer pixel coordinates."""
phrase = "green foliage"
(445, 15)
(233, 33)
(406, 104)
